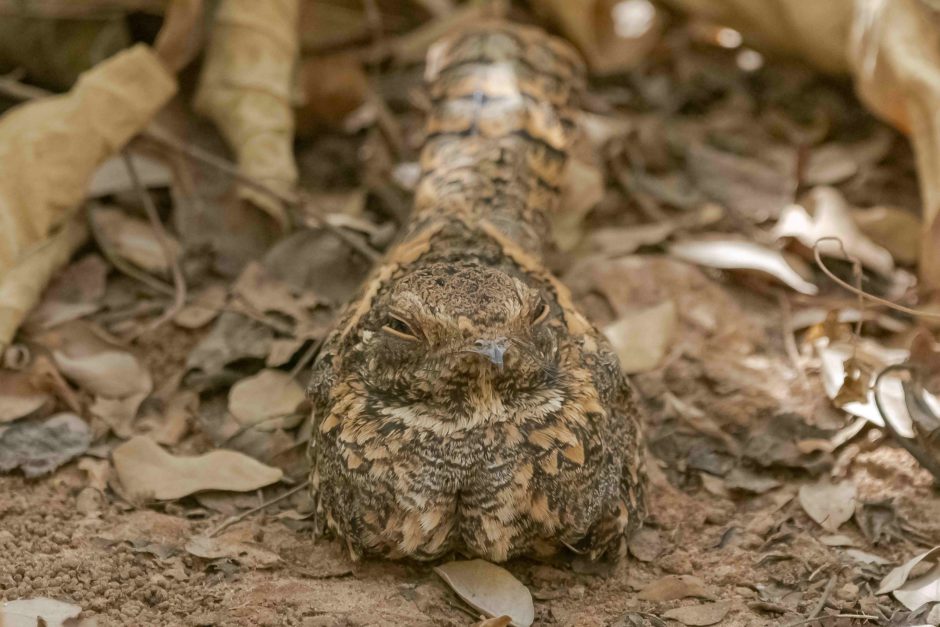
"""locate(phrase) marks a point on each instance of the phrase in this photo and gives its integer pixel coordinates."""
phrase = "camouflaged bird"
(463, 403)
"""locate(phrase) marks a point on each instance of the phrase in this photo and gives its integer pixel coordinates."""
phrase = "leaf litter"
(735, 423)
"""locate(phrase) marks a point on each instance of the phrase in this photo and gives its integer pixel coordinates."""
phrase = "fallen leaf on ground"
(828, 504)
(50, 149)
(695, 615)
(204, 307)
(489, 589)
(19, 397)
(39, 611)
(921, 590)
(264, 293)
(741, 255)
(245, 87)
(898, 576)
(895, 229)
(641, 339)
(747, 481)
(146, 469)
(332, 87)
(827, 214)
(112, 176)
(133, 239)
(836, 539)
(646, 544)
(673, 587)
(37, 447)
(75, 293)
(268, 395)
(245, 553)
(864, 557)
(499, 621)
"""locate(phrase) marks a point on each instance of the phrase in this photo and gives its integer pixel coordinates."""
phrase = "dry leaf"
(642, 338)
(146, 469)
(895, 229)
(75, 293)
(180, 37)
(827, 214)
(828, 504)
(741, 255)
(646, 544)
(747, 481)
(582, 189)
(133, 239)
(177, 416)
(921, 590)
(613, 35)
(898, 576)
(333, 87)
(499, 621)
(489, 589)
(39, 611)
(673, 587)
(112, 176)
(245, 553)
(268, 395)
(38, 447)
(245, 88)
(705, 614)
(865, 557)
(49, 149)
(19, 396)
(263, 293)
(204, 307)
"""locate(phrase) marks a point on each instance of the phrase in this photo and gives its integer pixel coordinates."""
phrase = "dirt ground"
(737, 417)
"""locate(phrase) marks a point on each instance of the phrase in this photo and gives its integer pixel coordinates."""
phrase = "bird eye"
(541, 313)
(399, 328)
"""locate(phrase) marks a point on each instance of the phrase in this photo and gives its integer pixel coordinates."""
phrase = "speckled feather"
(423, 444)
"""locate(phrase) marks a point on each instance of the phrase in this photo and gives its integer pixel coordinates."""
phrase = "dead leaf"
(180, 38)
(268, 395)
(742, 479)
(642, 338)
(705, 614)
(898, 576)
(19, 396)
(146, 469)
(646, 544)
(864, 557)
(50, 149)
(489, 589)
(895, 229)
(925, 356)
(614, 36)
(245, 87)
(204, 307)
(38, 447)
(499, 621)
(75, 293)
(673, 587)
(827, 214)
(133, 239)
(112, 176)
(582, 189)
(38, 611)
(741, 255)
(828, 504)
(177, 417)
(836, 539)
(247, 554)
(265, 293)
(333, 87)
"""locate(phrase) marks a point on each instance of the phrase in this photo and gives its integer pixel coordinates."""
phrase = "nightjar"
(463, 403)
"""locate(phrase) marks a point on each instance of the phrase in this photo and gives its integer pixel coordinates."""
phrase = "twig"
(789, 342)
(807, 621)
(240, 517)
(924, 459)
(859, 292)
(179, 281)
(305, 358)
(825, 597)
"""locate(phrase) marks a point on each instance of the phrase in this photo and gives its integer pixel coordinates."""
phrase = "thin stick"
(861, 293)
(179, 281)
(789, 342)
(825, 597)
(807, 621)
(240, 517)
(305, 358)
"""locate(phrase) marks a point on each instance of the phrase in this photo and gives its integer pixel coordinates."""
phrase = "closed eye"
(397, 327)
(541, 314)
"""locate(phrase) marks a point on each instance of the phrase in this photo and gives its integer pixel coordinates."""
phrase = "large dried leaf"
(37, 447)
(922, 590)
(245, 553)
(898, 576)
(19, 396)
(133, 239)
(245, 88)
(696, 615)
(489, 589)
(828, 504)
(741, 255)
(642, 338)
(49, 150)
(147, 470)
(673, 587)
(38, 611)
(827, 214)
(75, 293)
(268, 395)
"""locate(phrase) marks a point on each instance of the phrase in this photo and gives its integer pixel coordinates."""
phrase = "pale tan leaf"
(205, 307)
(37, 611)
(695, 615)
(741, 255)
(49, 150)
(19, 397)
(133, 239)
(897, 230)
(641, 339)
(489, 589)
(267, 395)
(898, 576)
(828, 504)
(180, 37)
(245, 87)
(673, 587)
(146, 469)
(245, 553)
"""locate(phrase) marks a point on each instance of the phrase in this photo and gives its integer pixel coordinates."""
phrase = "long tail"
(500, 128)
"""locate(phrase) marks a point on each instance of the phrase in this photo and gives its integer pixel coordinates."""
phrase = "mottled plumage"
(463, 403)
